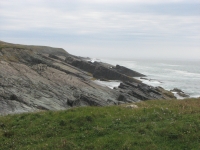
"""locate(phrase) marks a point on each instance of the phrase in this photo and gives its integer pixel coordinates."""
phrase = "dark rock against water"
(102, 71)
(180, 92)
(128, 72)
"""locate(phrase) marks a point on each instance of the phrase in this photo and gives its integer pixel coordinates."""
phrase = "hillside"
(156, 124)
(34, 78)
(39, 49)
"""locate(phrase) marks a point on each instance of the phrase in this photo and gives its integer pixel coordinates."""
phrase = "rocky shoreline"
(34, 78)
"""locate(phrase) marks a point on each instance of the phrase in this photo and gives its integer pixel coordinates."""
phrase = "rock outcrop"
(128, 72)
(180, 93)
(34, 78)
(103, 71)
(141, 91)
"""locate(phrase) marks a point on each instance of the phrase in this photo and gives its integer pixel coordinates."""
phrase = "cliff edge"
(34, 78)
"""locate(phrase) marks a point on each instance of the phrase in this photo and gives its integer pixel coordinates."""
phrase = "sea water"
(169, 74)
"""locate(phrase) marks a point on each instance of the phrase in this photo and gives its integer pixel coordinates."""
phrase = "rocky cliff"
(36, 78)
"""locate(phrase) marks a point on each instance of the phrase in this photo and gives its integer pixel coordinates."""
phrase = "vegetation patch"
(160, 124)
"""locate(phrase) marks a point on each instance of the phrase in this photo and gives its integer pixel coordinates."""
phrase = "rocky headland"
(34, 78)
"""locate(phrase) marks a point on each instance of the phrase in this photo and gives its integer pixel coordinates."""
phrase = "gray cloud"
(101, 28)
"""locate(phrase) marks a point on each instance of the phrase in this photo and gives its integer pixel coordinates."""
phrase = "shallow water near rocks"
(111, 84)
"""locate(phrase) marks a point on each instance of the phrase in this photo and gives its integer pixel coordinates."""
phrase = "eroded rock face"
(102, 71)
(40, 87)
(144, 92)
(42, 78)
(180, 92)
(128, 72)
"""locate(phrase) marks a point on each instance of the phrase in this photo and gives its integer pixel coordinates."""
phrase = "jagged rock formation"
(180, 92)
(142, 91)
(36, 78)
(128, 72)
(103, 71)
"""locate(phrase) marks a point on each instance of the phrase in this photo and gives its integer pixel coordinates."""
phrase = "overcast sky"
(106, 28)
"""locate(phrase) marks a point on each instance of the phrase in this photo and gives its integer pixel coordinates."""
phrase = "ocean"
(169, 74)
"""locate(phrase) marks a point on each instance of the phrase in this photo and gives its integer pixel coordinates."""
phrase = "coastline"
(44, 78)
(169, 74)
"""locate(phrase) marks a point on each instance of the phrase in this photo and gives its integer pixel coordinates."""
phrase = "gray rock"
(180, 92)
(34, 78)
(128, 71)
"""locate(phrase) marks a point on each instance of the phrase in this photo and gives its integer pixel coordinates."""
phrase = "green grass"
(162, 125)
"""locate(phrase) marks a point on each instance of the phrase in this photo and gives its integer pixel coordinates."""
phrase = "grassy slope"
(154, 125)
(42, 49)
